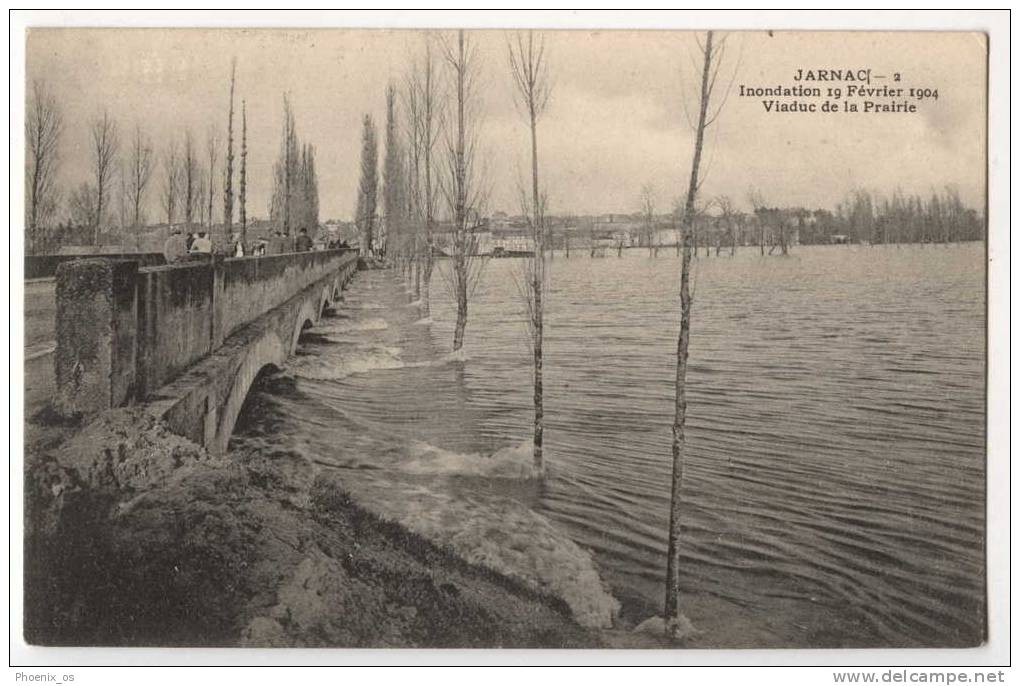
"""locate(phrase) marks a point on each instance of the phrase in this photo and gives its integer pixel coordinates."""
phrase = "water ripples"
(835, 455)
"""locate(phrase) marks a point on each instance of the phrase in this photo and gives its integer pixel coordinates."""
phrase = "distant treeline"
(866, 217)
(134, 182)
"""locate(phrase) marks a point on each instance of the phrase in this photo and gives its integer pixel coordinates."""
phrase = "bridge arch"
(327, 298)
(333, 293)
(267, 351)
(308, 314)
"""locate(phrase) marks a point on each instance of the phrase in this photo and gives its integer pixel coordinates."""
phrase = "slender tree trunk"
(242, 215)
(537, 284)
(462, 312)
(672, 604)
(99, 213)
(416, 266)
(460, 203)
(417, 279)
(426, 283)
(228, 189)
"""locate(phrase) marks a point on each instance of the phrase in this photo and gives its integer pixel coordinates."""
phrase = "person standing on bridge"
(302, 243)
(175, 247)
(236, 245)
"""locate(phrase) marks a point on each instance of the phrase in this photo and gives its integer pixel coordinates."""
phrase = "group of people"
(179, 247)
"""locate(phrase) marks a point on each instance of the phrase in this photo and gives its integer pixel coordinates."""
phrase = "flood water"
(834, 487)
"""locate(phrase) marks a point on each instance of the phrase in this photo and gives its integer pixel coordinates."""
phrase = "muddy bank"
(135, 536)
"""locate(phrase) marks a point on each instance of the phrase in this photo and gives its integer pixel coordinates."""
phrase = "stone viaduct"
(185, 340)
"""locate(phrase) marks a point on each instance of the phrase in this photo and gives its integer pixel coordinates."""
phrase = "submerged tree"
(648, 217)
(462, 183)
(529, 71)
(711, 61)
(728, 214)
(413, 240)
(754, 196)
(425, 121)
(394, 180)
(368, 186)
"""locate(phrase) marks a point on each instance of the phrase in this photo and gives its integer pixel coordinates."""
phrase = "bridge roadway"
(185, 340)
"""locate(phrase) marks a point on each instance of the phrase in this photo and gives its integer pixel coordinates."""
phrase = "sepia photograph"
(518, 337)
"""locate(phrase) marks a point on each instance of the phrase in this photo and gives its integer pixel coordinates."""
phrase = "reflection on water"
(835, 431)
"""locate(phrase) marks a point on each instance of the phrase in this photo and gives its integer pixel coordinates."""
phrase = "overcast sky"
(615, 121)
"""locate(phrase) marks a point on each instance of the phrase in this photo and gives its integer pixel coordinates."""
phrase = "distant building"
(511, 243)
(663, 237)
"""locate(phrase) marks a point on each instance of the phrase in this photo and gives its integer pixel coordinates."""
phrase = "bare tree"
(728, 212)
(754, 196)
(711, 60)
(171, 181)
(201, 188)
(242, 216)
(139, 173)
(283, 206)
(394, 180)
(425, 121)
(413, 168)
(122, 200)
(190, 196)
(676, 218)
(368, 185)
(529, 71)
(648, 215)
(784, 243)
(44, 124)
(104, 155)
(82, 205)
(462, 183)
(228, 181)
(212, 146)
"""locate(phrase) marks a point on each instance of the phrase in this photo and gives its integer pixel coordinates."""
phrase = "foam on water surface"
(338, 364)
(514, 462)
(502, 534)
(352, 325)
